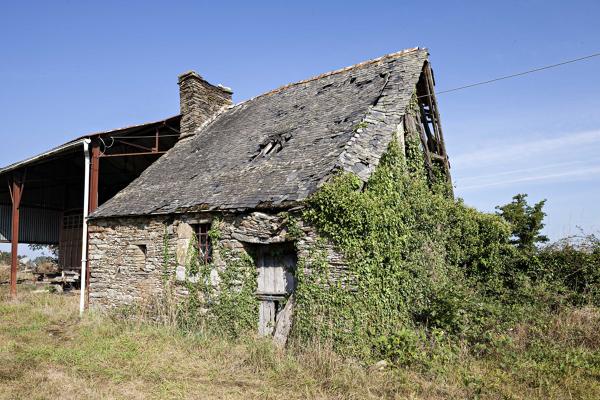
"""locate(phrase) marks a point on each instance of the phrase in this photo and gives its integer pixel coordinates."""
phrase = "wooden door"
(276, 264)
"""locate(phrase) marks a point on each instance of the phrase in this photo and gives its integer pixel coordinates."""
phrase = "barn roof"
(277, 148)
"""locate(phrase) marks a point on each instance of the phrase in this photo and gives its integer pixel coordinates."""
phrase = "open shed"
(45, 199)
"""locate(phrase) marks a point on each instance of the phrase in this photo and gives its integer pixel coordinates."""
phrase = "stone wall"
(120, 271)
(127, 260)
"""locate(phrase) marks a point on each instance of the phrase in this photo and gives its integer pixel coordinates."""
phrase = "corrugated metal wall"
(5, 212)
(36, 225)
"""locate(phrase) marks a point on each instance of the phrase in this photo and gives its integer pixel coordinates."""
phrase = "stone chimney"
(199, 101)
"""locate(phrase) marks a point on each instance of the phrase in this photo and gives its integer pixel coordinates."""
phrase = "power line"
(518, 74)
(437, 93)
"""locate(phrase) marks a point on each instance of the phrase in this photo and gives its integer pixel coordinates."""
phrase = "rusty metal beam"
(16, 194)
(157, 140)
(138, 146)
(94, 178)
(171, 128)
(149, 153)
(93, 205)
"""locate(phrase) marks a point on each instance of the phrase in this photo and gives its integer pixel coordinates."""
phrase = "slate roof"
(342, 119)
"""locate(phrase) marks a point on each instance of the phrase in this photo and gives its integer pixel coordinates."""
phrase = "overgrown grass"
(47, 352)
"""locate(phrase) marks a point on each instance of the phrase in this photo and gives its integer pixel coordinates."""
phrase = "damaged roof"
(277, 148)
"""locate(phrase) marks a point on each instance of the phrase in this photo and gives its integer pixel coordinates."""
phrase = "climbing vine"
(235, 309)
(411, 251)
(416, 259)
(166, 258)
(221, 294)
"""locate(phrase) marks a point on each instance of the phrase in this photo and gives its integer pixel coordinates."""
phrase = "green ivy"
(416, 258)
(235, 310)
(291, 225)
(166, 262)
(227, 306)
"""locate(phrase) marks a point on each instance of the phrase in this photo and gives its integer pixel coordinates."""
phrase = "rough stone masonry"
(244, 164)
(127, 254)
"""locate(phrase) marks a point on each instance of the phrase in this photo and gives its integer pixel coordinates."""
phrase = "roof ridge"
(362, 64)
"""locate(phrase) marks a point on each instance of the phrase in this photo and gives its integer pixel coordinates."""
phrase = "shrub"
(572, 265)
(418, 258)
(526, 222)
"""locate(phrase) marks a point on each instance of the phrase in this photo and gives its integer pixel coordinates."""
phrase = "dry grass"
(46, 352)
(21, 275)
(4, 273)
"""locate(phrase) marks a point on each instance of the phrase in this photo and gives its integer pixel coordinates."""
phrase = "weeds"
(46, 351)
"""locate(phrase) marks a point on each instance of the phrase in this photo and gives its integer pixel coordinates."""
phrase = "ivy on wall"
(420, 264)
(415, 256)
(221, 297)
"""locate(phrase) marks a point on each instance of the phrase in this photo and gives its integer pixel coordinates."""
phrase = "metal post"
(93, 205)
(84, 230)
(17, 187)
(94, 178)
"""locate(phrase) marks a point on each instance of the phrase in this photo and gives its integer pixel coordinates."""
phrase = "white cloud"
(581, 173)
(573, 156)
(521, 171)
(525, 150)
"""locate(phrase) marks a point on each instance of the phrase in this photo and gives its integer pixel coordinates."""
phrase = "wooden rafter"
(431, 115)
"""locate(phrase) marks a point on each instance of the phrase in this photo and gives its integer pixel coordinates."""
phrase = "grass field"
(47, 352)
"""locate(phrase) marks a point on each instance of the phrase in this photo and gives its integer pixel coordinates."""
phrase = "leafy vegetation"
(571, 267)
(218, 299)
(459, 304)
(47, 351)
(4, 258)
(526, 222)
(433, 278)
(50, 251)
(419, 262)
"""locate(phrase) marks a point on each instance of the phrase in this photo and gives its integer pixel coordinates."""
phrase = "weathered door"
(276, 264)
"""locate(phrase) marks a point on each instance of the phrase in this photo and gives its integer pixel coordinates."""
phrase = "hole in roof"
(376, 101)
(272, 145)
(352, 80)
(324, 88)
(361, 83)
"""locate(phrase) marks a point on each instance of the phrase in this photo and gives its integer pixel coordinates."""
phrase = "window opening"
(204, 243)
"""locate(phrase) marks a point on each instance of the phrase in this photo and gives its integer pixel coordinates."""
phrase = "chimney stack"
(199, 101)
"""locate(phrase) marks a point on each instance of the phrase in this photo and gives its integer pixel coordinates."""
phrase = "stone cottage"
(246, 163)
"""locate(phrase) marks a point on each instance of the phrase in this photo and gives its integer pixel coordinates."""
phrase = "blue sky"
(72, 67)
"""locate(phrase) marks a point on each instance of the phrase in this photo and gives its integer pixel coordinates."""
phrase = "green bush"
(572, 266)
(424, 264)
(417, 258)
(427, 273)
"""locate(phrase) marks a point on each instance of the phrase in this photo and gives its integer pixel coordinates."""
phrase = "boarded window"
(276, 264)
